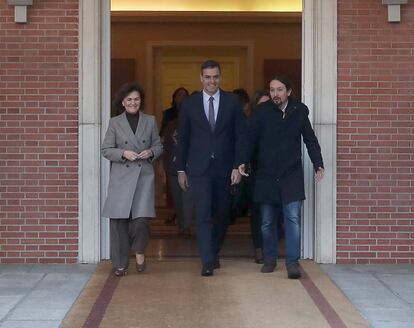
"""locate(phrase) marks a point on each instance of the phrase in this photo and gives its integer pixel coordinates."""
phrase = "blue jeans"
(291, 219)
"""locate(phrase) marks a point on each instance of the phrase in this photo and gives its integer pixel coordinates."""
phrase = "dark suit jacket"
(197, 142)
(279, 175)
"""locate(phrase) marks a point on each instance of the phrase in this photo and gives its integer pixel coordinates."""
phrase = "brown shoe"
(120, 272)
(141, 267)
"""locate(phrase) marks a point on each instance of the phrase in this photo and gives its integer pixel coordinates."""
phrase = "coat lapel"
(142, 122)
(201, 112)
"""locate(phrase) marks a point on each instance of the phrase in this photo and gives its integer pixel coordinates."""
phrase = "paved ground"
(384, 294)
(39, 296)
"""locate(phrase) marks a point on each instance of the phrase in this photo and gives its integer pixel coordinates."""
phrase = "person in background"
(182, 199)
(259, 97)
(131, 144)
(239, 193)
(169, 115)
(277, 129)
(211, 140)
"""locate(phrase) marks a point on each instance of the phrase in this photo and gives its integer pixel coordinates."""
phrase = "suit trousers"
(212, 202)
(126, 233)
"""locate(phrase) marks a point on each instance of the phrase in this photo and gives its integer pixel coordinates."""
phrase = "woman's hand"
(130, 155)
(145, 154)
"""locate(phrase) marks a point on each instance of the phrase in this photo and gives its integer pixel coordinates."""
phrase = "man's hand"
(242, 170)
(235, 177)
(319, 174)
(183, 181)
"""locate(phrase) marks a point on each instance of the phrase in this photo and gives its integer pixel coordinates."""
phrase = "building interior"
(162, 45)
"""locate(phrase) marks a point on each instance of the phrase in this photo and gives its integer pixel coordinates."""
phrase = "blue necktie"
(211, 118)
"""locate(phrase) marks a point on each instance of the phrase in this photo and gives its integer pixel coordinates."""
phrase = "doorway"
(318, 92)
(168, 55)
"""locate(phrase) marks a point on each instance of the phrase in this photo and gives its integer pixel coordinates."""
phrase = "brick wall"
(375, 134)
(39, 134)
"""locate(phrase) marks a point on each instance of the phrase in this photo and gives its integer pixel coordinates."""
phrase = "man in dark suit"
(276, 129)
(211, 126)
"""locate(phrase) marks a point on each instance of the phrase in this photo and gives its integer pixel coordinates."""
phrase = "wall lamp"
(394, 15)
(20, 9)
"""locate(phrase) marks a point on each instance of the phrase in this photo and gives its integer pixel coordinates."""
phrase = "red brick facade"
(39, 133)
(375, 134)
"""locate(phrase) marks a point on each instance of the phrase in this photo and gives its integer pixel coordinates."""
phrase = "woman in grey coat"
(131, 144)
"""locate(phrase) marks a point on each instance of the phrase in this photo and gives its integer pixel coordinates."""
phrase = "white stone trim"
(319, 86)
(90, 103)
(105, 116)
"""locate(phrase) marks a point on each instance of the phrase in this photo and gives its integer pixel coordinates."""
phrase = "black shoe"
(268, 267)
(207, 270)
(258, 256)
(120, 272)
(217, 263)
(293, 271)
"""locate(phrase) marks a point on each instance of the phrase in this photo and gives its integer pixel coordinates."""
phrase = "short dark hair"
(285, 80)
(243, 96)
(210, 64)
(124, 91)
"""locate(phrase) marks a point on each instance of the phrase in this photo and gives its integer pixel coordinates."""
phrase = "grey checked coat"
(131, 184)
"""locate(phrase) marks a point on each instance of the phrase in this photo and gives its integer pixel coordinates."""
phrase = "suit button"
(277, 180)
(143, 141)
(126, 142)
(139, 165)
(127, 165)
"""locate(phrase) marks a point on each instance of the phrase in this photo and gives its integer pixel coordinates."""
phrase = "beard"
(277, 101)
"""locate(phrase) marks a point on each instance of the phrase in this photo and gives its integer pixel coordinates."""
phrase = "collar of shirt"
(284, 107)
(216, 102)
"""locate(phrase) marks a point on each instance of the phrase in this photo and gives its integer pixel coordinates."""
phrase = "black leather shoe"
(293, 271)
(120, 272)
(217, 264)
(268, 267)
(207, 270)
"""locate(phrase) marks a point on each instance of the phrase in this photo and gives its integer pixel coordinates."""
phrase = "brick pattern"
(39, 133)
(375, 202)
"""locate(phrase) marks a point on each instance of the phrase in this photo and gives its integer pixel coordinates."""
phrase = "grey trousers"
(183, 203)
(126, 233)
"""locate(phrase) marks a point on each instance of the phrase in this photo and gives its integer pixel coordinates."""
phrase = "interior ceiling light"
(212, 5)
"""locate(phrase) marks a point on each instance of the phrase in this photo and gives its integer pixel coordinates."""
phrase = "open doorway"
(319, 92)
(163, 51)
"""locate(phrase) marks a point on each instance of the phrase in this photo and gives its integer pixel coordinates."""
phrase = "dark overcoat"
(131, 184)
(278, 141)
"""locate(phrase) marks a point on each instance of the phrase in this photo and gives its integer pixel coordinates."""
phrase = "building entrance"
(318, 58)
(172, 58)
